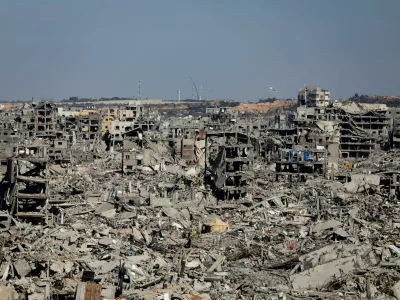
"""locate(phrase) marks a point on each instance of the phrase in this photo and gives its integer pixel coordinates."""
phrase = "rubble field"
(223, 206)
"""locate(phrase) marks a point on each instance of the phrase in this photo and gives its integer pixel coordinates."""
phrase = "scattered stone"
(22, 267)
(105, 242)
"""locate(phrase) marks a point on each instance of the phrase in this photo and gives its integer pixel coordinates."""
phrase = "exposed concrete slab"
(22, 267)
(108, 267)
(105, 242)
(323, 274)
(109, 213)
(170, 212)
(326, 225)
(396, 290)
(157, 202)
(104, 207)
(65, 234)
(108, 292)
(127, 215)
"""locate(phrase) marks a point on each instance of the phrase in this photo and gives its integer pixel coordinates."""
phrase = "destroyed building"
(394, 114)
(329, 132)
(229, 163)
(27, 184)
(224, 206)
(363, 127)
(313, 97)
(220, 117)
(132, 116)
(230, 154)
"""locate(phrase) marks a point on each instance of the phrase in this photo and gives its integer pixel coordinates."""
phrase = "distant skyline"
(235, 49)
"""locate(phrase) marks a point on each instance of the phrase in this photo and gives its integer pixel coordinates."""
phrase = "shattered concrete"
(221, 207)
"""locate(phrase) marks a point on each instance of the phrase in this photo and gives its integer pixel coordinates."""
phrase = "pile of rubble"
(301, 206)
(165, 236)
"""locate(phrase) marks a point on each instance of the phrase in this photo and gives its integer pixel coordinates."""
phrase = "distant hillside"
(391, 101)
(270, 100)
(265, 107)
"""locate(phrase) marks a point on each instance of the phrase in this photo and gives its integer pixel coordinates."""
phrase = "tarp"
(306, 156)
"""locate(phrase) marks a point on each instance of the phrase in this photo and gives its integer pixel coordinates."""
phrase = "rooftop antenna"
(305, 93)
(140, 90)
(195, 87)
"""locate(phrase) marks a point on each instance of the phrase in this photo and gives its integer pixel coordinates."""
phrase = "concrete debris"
(202, 286)
(108, 292)
(125, 203)
(158, 201)
(8, 293)
(106, 242)
(22, 267)
(396, 290)
(319, 227)
(109, 214)
(323, 274)
(217, 263)
(104, 207)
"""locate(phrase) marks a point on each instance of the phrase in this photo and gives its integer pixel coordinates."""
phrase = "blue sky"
(234, 49)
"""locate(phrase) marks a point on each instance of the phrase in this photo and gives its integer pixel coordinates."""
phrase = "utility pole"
(140, 90)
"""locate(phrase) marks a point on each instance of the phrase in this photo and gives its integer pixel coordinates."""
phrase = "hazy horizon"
(234, 49)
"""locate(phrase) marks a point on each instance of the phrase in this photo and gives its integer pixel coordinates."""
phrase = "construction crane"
(195, 87)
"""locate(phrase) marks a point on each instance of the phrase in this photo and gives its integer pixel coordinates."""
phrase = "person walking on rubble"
(121, 275)
(190, 235)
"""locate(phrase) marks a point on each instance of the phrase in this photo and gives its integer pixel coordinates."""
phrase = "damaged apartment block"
(362, 127)
(184, 136)
(230, 155)
(45, 119)
(152, 145)
(329, 134)
(25, 187)
(394, 137)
